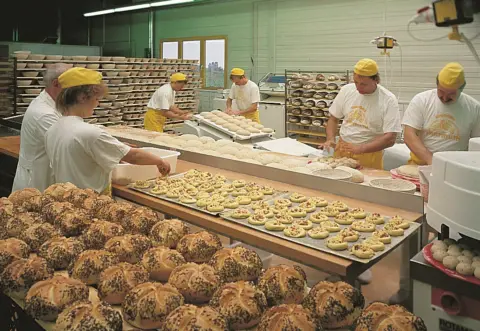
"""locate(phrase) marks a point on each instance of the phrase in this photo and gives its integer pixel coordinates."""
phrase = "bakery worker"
(85, 154)
(33, 169)
(442, 119)
(370, 116)
(246, 94)
(162, 104)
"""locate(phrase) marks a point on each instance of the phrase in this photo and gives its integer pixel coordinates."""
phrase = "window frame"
(203, 55)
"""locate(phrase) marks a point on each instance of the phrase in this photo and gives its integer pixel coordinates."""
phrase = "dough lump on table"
(465, 269)
(450, 262)
(242, 132)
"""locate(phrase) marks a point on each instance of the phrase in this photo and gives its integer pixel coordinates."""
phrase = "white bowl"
(30, 73)
(108, 66)
(131, 59)
(106, 58)
(126, 88)
(33, 90)
(80, 65)
(93, 58)
(115, 119)
(79, 58)
(116, 81)
(102, 119)
(105, 104)
(21, 65)
(121, 66)
(119, 104)
(124, 73)
(93, 66)
(145, 60)
(113, 89)
(27, 100)
(119, 59)
(35, 65)
(54, 57)
(115, 112)
(24, 82)
(101, 112)
(111, 73)
(37, 57)
(111, 97)
(21, 56)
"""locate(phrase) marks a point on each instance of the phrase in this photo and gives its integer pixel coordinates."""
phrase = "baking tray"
(201, 119)
(320, 244)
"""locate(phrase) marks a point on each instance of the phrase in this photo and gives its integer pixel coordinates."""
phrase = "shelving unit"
(6, 87)
(308, 96)
(131, 83)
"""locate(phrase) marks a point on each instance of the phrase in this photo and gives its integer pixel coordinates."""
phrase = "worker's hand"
(131, 145)
(186, 116)
(328, 144)
(228, 111)
(235, 112)
(164, 168)
(351, 148)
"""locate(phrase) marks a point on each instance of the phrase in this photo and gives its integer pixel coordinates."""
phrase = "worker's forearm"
(379, 143)
(251, 109)
(229, 103)
(141, 157)
(171, 114)
(417, 147)
(332, 126)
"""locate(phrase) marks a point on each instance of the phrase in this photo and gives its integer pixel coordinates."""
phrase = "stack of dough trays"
(235, 136)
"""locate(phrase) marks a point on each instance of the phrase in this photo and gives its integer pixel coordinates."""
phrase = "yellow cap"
(178, 77)
(452, 76)
(366, 67)
(237, 72)
(79, 76)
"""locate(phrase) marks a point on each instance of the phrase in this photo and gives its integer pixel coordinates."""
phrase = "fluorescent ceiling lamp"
(136, 7)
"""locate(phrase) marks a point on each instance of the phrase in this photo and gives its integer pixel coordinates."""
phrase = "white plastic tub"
(124, 173)
(265, 256)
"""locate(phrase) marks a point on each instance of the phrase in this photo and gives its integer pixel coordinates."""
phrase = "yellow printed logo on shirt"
(357, 117)
(444, 126)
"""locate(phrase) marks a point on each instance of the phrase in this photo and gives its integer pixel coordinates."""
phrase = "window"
(211, 52)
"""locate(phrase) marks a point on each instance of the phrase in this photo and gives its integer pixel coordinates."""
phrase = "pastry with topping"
(128, 248)
(199, 247)
(168, 232)
(288, 316)
(59, 252)
(337, 243)
(193, 318)
(375, 218)
(85, 315)
(238, 263)
(383, 236)
(160, 262)
(90, 264)
(295, 232)
(362, 251)
(363, 226)
(344, 219)
(297, 198)
(241, 213)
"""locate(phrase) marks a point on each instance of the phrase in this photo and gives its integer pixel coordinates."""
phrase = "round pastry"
(379, 316)
(454, 250)
(238, 183)
(239, 192)
(349, 235)
(115, 212)
(363, 226)
(142, 184)
(465, 269)
(393, 230)
(12, 249)
(282, 203)
(255, 195)
(342, 207)
(187, 199)
(318, 201)
(199, 247)
(99, 232)
(475, 264)
(287, 317)
(90, 264)
(374, 243)
(60, 251)
(450, 262)
(464, 259)
(335, 305)
(147, 305)
(306, 224)
(140, 220)
(284, 218)
(337, 243)
(117, 280)
(21, 274)
(308, 206)
(357, 213)
(20, 222)
(92, 205)
(375, 218)
(257, 219)
(54, 209)
(20, 196)
(215, 207)
(72, 222)
(216, 197)
(77, 196)
(400, 223)
(203, 202)
(297, 212)
(241, 303)
(267, 190)
(330, 226)
(275, 225)
(295, 232)
(160, 262)
(193, 318)
(283, 284)
(344, 219)
(241, 213)
(383, 236)
(362, 251)
(36, 203)
(85, 315)
(440, 255)
(468, 253)
(128, 248)
(297, 197)
(267, 212)
(167, 233)
(196, 282)
(318, 233)
(330, 211)
(57, 191)
(435, 248)
(234, 264)
(231, 204)
(37, 234)
(47, 298)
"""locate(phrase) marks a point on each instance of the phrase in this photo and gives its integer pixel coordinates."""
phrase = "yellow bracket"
(455, 34)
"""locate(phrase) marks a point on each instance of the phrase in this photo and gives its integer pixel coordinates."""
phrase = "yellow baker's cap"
(237, 72)
(366, 67)
(452, 76)
(178, 77)
(79, 76)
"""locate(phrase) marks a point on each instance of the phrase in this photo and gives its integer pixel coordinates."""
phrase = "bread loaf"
(90, 264)
(47, 298)
(147, 305)
(6, 209)
(140, 220)
(57, 191)
(239, 263)
(99, 232)
(129, 248)
(61, 251)
(76, 196)
(116, 281)
(84, 315)
(167, 233)
(199, 247)
(193, 318)
(21, 274)
(36, 203)
(335, 305)
(20, 222)
(241, 303)
(196, 282)
(160, 262)
(18, 197)
(381, 317)
(72, 222)
(53, 210)
(37, 234)
(12, 249)
(283, 284)
(288, 317)
(92, 205)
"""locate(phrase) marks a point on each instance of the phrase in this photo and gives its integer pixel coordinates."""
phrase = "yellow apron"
(367, 160)
(254, 116)
(154, 120)
(414, 160)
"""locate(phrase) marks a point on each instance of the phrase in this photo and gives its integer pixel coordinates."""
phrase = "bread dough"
(241, 213)
(339, 205)
(393, 230)
(260, 205)
(306, 224)
(362, 251)
(238, 183)
(464, 259)
(330, 226)
(297, 197)
(297, 212)
(258, 126)
(231, 204)
(357, 213)
(206, 187)
(242, 132)
(349, 235)
(239, 192)
(330, 211)
(257, 219)
(357, 176)
(375, 218)
(308, 206)
(363, 226)
(203, 202)
(409, 171)
(318, 233)
(142, 184)
(476, 273)
(215, 207)
(448, 261)
(439, 255)
(159, 190)
(284, 219)
(374, 243)
(465, 269)
(251, 129)
(383, 236)
(244, 200)
(267, 212)
(255, 195)
(173, 194)
(400, 223)
(267, 190)
(337, 243)
(188, 199)
(344, 219)
(318, 218)
(267, 130)
(454, 252)
(318, 201)
(468, 253)
(434, 248)
(295, 232)
(275, 225)
(202, 195)
(283, 203)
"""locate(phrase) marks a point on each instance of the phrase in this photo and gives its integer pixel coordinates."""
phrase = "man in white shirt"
(442, 119)
(162, 104)
(33, 168)
(370, 118)
(246, 94)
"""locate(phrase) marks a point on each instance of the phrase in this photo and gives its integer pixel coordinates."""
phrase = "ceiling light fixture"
(137, 7)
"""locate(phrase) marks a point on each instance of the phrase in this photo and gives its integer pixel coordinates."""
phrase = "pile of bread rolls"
(157, 273)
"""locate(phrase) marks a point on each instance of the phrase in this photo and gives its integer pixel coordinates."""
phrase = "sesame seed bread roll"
(199, 247)
(283, 284)
(99, 232)
(12, 249)
(160, 262)
(20, 196)
(193, 318)
(234, 264)
(61, 251)
(288, 317)
(90, 264)
(85, 315)
(196, 282)
(168, 232)
(140, 220)
(129, 248)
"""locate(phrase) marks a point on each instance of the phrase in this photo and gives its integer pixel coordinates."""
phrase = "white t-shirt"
(82, 154)
(245, 95)
(163, 98)
(444, 127)
(33, 168)
(366, 116)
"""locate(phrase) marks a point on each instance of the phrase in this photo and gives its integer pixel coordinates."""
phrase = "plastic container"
(265, 256)
(125, 173)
